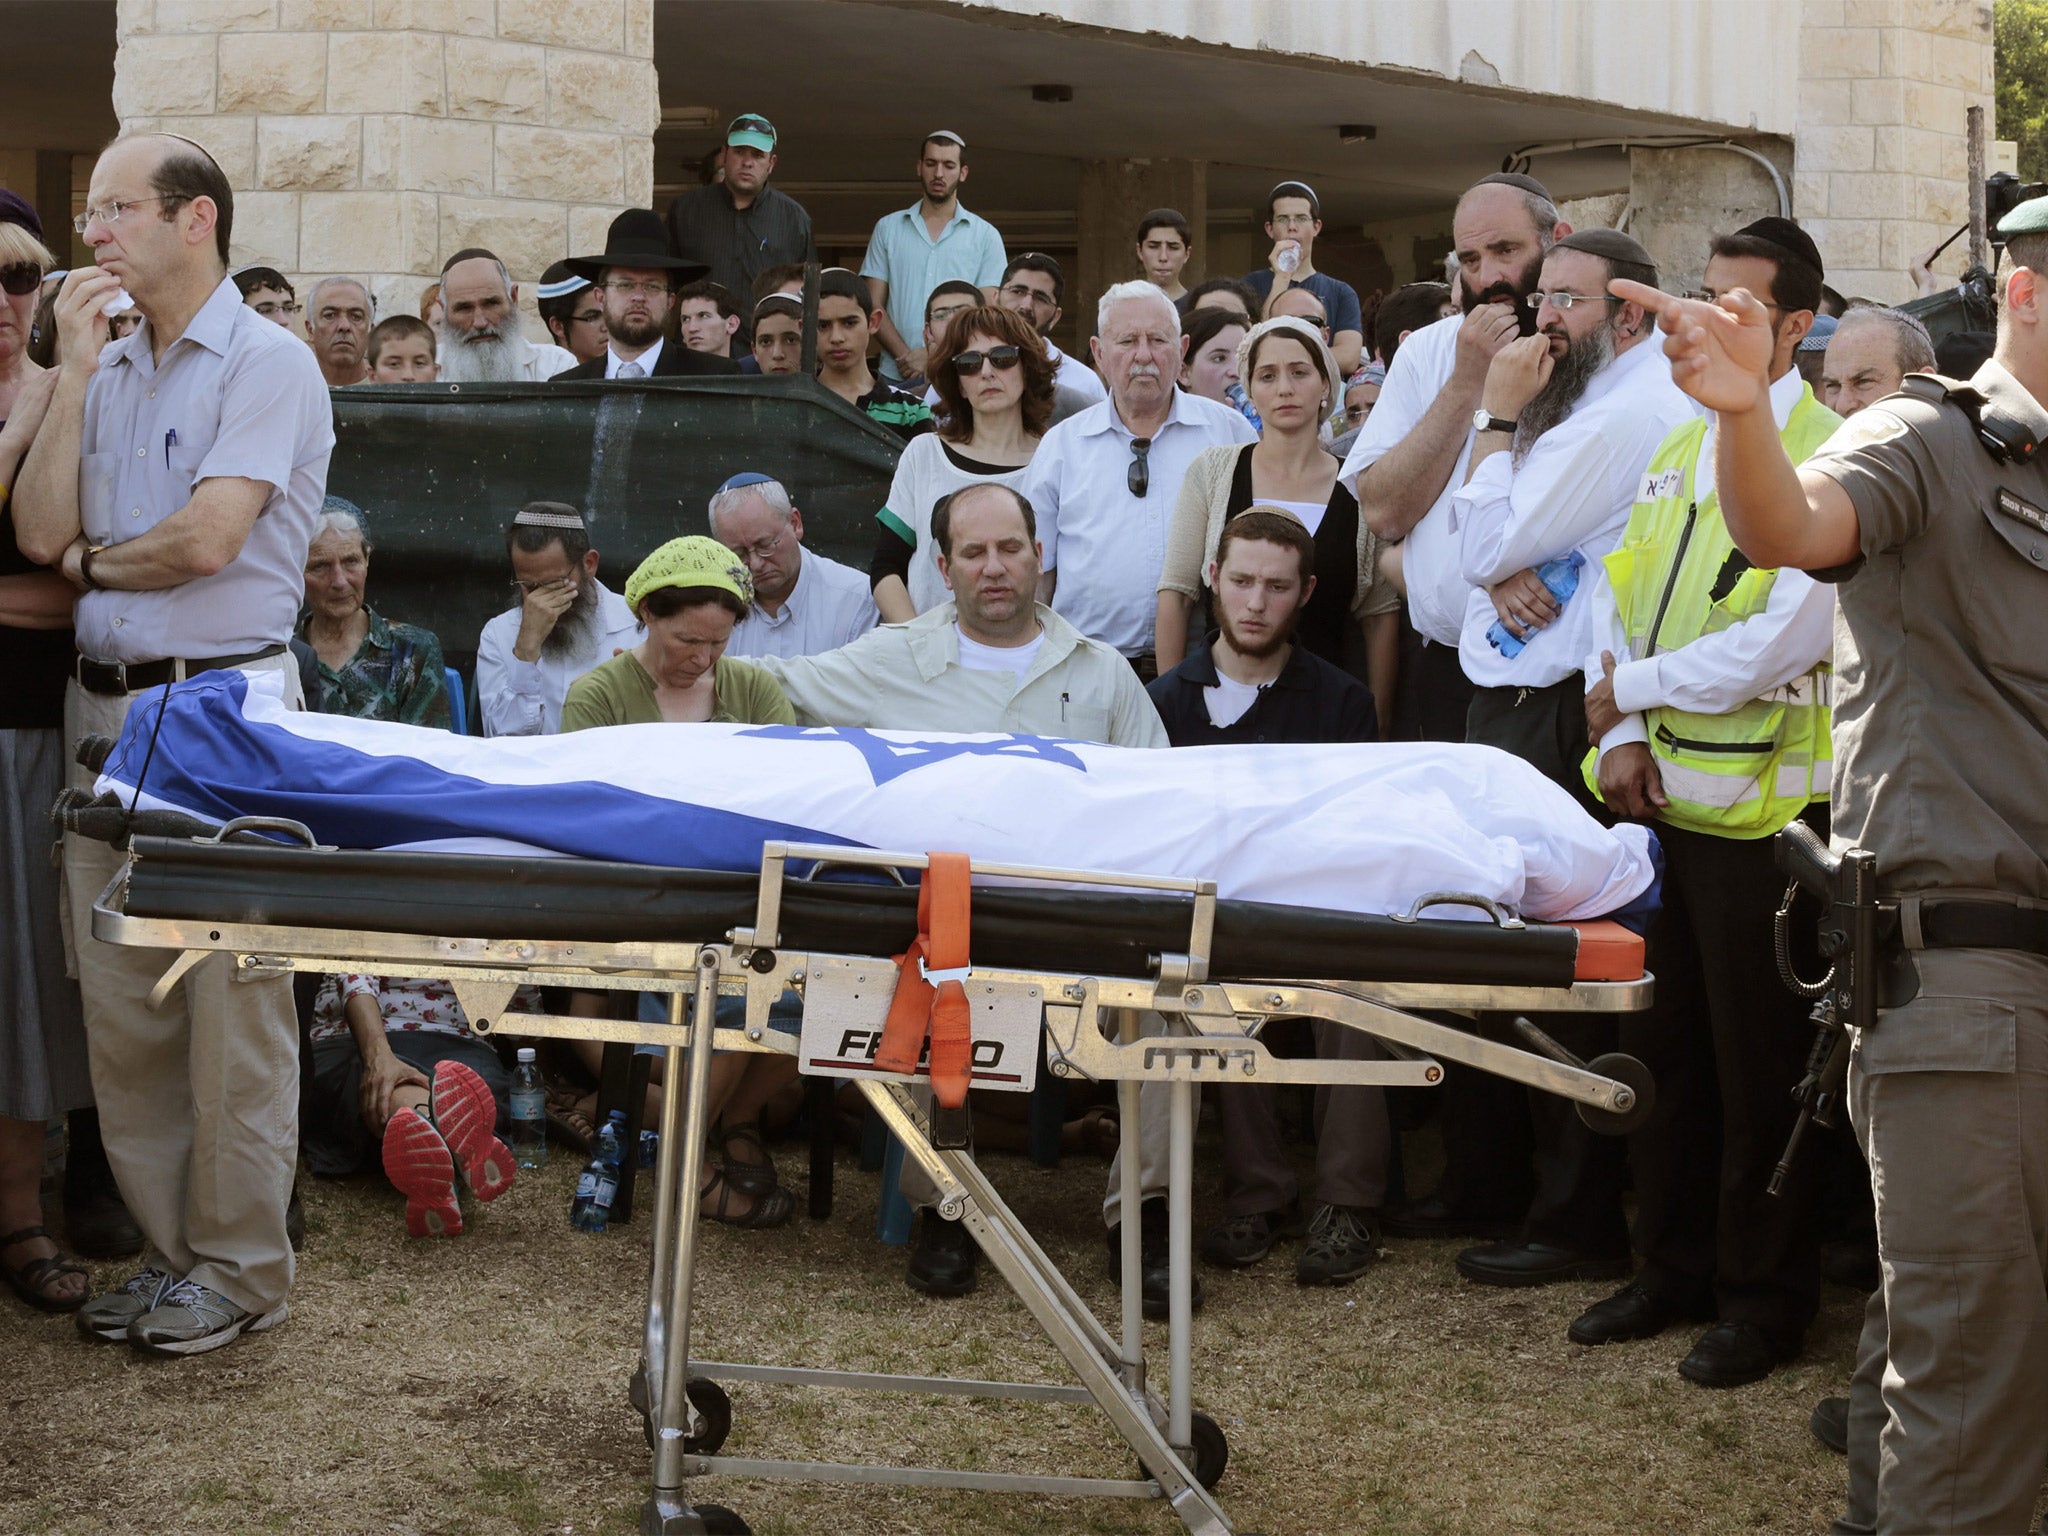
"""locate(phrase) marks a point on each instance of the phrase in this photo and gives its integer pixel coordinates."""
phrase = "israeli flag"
(1359, 828)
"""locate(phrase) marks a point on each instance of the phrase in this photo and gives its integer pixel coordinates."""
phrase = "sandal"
(1099, 1131)
(31, 1281)
(569, 1125)
(748, 1175)
(772, 1209)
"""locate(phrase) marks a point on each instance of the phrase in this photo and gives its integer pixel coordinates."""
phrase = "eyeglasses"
(1139, 477)
(652, 290)
(761, 549)
(968, 364)
(588, 317)
(110, 213)
(1565, 301)
(269, 309)
(1712, 296)
(1292, 220)
(19, 277)
(524, 588)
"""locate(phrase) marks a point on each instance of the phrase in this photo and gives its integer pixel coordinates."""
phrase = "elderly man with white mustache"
(481, 342)
(1104, 481)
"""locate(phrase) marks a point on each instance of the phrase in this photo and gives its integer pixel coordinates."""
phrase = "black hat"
(1788, 237)
(637, 238)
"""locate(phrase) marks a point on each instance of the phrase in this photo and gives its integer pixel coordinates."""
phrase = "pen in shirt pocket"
(170, 442)
(1063, 707)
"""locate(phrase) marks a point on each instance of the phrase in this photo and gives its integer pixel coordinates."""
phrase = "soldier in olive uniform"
(1930, 511)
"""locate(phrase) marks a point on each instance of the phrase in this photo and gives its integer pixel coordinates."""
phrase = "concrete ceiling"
(57, 74)
(853, 86)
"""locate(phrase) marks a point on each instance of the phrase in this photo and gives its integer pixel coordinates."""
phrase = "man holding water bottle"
(1293, 220)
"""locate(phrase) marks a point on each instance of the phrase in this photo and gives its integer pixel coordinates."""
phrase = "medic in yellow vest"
(1720, 668)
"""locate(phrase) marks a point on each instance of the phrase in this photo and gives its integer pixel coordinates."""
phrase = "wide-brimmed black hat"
(637, 238)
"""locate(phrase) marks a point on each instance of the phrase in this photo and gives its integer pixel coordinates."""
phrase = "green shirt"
(620, 692)
(396, 674)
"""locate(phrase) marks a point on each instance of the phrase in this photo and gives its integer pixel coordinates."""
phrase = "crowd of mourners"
(1252, 510)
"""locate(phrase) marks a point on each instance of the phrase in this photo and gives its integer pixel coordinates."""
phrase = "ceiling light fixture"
(1356, 133)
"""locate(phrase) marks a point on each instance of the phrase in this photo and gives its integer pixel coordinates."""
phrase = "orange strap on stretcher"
(920, 1008)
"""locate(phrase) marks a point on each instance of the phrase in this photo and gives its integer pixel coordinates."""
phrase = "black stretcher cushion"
(489, 896)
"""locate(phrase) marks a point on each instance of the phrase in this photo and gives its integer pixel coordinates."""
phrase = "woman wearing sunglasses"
(42, 1037)
(995, 390)
(1292, 381)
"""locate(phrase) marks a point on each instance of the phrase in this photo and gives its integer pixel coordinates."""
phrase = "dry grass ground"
(476, 1387)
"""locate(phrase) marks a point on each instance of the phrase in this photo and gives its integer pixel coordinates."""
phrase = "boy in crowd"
(402, 352)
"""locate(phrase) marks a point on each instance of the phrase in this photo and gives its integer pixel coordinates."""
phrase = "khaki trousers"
(199, 1099)
(1948, 1410)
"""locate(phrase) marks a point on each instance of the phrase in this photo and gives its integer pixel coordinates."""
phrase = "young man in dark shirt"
(1254, 685)
(845, 331)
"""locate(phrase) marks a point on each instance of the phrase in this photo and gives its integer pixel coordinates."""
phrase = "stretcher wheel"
(1623, 1069)
(1209, 1453)
(720, 1521)
(711, 1403)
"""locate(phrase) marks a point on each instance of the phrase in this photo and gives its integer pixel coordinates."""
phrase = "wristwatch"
(1484, 420)
(85, 566)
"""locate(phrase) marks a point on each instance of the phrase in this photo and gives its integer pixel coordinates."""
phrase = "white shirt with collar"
(613, 362)
(1573, 492)
(1430, 560)
(539, 361)
(524, 698)
(831, 605)
(1108, 545)
(1071, 373)
(1718, 672)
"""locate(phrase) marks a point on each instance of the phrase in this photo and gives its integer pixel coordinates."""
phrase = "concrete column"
(376, 137)
(1879, 172)
(1680, 199)
(1115, 194)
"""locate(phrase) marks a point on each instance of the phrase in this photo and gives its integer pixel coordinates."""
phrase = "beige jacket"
(1197, 525)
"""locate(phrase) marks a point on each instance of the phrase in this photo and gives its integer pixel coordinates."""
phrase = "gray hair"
(1910, 340)
(769, 491)
(313, 298)
(1137, 288)
(343, 518)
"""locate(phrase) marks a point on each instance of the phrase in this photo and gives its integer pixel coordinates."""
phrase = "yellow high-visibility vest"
(1677, 576)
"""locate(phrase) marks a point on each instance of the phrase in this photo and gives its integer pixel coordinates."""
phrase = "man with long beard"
(1570, 417)
(481, 342)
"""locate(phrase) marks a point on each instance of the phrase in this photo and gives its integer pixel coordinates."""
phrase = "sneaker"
(420, 1167)
(1343, 1241)
(466, 1115)
(1241, 1241)
(190, 1320)
(107, 1317)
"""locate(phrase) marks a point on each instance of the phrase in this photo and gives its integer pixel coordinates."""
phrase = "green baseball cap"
(750, 130)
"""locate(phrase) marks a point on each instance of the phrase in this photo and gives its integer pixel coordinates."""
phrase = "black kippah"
(1787, 237)
(1609, 245)
(1518, 181)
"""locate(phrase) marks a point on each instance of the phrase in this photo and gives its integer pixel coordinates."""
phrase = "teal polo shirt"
(902, 253)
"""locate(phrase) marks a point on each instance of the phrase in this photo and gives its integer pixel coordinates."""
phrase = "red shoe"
(466, 1115)
(417, 1162)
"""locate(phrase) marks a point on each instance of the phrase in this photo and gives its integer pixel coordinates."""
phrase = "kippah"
(469, 253)
(1816, 338)
(539, 515)
(1787, 237)
(947, 134)
(1303, 187)
(558, 282)
(796, 304)
(1518, 181)
(1608, 244)
(746, 477)
(2029, 218)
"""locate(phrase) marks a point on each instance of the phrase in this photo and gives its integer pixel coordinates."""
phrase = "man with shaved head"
(176, 483)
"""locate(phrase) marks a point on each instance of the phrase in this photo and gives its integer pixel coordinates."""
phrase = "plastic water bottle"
(529, 1113)
(1289, 258)
(599, 1181)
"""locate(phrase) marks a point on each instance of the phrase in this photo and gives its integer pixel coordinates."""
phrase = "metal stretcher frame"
(1091, 1031)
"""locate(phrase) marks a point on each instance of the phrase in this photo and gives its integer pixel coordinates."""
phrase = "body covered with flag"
(1353, 828)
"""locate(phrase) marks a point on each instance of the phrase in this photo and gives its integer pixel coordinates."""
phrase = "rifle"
(1846, 997)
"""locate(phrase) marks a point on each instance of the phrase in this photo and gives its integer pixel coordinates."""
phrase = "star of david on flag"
(888, 760)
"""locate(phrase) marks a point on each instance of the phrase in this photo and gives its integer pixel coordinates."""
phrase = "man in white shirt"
(1104, 482)
(1033, 286)
(1409, 458)
(804, 602)
(989, 660)
(566, 621)
(481, 339)
(1573, 415)
(1699, 648)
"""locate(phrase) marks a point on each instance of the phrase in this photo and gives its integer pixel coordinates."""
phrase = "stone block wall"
(376, 137)
(1879, 154)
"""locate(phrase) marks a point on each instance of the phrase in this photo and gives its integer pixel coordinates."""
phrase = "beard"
(1568, 379)
(483, 357)
(634, 331)
(1510, 293)
(1280, 635)
(577, 626)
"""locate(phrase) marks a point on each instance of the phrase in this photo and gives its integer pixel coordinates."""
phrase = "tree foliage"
(2020, 44)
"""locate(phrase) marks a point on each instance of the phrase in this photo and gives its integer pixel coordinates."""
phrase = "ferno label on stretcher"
(846, 1002)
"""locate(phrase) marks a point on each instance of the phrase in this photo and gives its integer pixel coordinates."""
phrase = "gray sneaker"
(189, 1319)
(107, 1317)
(1343, 1241)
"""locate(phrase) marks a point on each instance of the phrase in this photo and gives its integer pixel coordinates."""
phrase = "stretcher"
(1086, 953)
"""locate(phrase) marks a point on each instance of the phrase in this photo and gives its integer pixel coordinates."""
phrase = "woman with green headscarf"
(689, 593)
